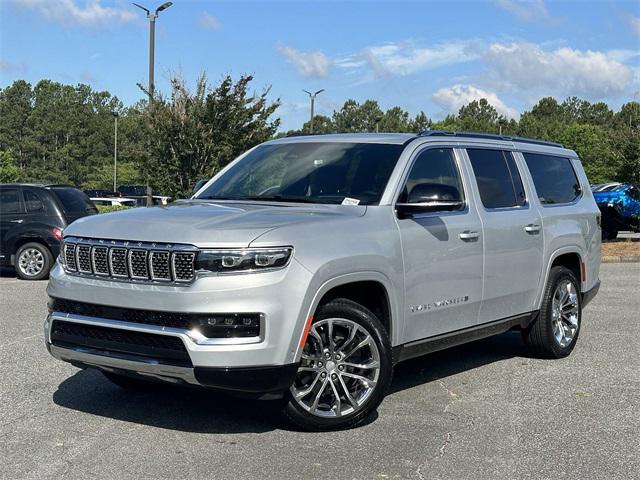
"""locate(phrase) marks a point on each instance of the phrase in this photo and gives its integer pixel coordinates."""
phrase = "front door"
(512, 235)
(442, 252)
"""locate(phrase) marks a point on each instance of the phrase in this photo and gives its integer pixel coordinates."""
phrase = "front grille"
(211, 325)
(130, 261)
(163, 348)
(100, 260)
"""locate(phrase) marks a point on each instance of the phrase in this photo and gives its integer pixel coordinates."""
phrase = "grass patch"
(111, 208)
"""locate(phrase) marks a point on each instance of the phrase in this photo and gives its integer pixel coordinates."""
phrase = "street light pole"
(152, 40)
(312, 96)
(115, 152)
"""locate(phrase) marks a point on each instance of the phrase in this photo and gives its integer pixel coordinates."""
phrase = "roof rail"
(490, 136)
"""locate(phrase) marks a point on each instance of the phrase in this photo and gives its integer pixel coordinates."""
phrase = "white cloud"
(564, 71)
(209, 21)
(78, 12)
(406, 58)
(526, 10)
(87, 76)
(454, 97)
(308, 64)
(634, 22)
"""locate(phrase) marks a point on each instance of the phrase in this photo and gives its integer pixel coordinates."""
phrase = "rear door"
(11, 217)
(442, 252)
(513, 245)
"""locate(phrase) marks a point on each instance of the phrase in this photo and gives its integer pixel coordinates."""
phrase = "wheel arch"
(570, 257)
(360, 287)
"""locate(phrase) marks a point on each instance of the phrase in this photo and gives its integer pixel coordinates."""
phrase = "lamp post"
(152, 37)
(312, 96)
(115, 151)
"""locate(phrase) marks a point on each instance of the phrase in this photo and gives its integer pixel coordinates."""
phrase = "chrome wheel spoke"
(368, 382)
(565, 311)
(347, 394)
(303, 393)
(316, 400)
(338, 403)
(363, 366)
(363, 343)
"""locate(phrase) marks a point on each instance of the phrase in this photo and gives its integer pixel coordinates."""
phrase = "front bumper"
(252, 380)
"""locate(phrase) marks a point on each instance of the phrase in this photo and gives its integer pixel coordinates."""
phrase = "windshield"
(309, 172)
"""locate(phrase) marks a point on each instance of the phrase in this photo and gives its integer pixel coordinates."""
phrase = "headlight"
(243, 260)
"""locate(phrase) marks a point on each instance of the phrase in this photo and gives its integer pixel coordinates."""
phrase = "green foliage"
(111, 208)
(9, 171)
(194, 135)
(59, 133)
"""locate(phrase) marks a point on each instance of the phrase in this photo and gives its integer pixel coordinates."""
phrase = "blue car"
(620, 207)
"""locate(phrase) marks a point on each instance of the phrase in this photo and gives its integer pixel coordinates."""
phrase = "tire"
(33, 261)
(330, 375)
(554, 333)
(609, 232)
(130, 383)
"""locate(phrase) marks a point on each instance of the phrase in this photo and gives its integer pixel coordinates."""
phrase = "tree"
(9, 171)
(194, 135)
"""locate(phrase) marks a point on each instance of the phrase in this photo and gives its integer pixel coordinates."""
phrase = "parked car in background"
(32, 218)
(132, 190)
(139, 193)
(101, 193)
(114, 201)
(620, 207)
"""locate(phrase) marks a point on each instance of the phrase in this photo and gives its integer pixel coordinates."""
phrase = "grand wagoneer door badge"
(438, 304)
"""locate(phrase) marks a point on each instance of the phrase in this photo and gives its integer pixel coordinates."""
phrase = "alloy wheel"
(31, 262)
(565, 310)
(339, 370)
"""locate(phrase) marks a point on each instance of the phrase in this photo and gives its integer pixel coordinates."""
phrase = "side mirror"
(199, 184)
(430, 197)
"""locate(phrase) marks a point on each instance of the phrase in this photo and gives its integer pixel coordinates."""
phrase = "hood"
(204, 223)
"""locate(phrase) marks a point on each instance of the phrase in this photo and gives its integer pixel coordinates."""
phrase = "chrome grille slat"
(99, 260)
(130, 261)
(83, 258)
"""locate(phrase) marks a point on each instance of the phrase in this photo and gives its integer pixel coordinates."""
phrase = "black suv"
(31, 221)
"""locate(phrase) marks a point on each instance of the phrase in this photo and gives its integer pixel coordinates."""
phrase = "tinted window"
(316, 172)
(32, 201)
(554, 178)
(435, 166)
(634, 193)
(73, 200)
(498, 178)
(9, 201)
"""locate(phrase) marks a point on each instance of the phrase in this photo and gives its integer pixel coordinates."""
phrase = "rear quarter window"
(73, 200)
(554, 178)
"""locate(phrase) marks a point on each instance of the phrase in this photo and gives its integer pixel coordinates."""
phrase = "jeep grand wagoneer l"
(309, 266)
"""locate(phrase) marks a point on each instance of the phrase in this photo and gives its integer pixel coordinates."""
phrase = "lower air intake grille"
(163, 348)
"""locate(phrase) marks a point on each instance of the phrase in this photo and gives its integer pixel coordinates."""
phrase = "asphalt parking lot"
(485, 410)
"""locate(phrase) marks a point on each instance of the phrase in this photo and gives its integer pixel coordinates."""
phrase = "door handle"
(532, 228)
(468, 235)
(17, 221)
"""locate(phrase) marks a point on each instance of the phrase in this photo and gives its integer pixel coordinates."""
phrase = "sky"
(420, 55)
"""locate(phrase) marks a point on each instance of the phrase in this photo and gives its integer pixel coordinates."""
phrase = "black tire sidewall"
(557, 275)
(341, 308)
(48, 261)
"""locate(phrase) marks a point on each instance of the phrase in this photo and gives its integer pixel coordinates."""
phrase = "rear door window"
(554, 178)
(74, 201)
(498, 178)
(9, 201)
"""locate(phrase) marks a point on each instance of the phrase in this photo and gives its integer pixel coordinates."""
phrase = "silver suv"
(309, 266)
